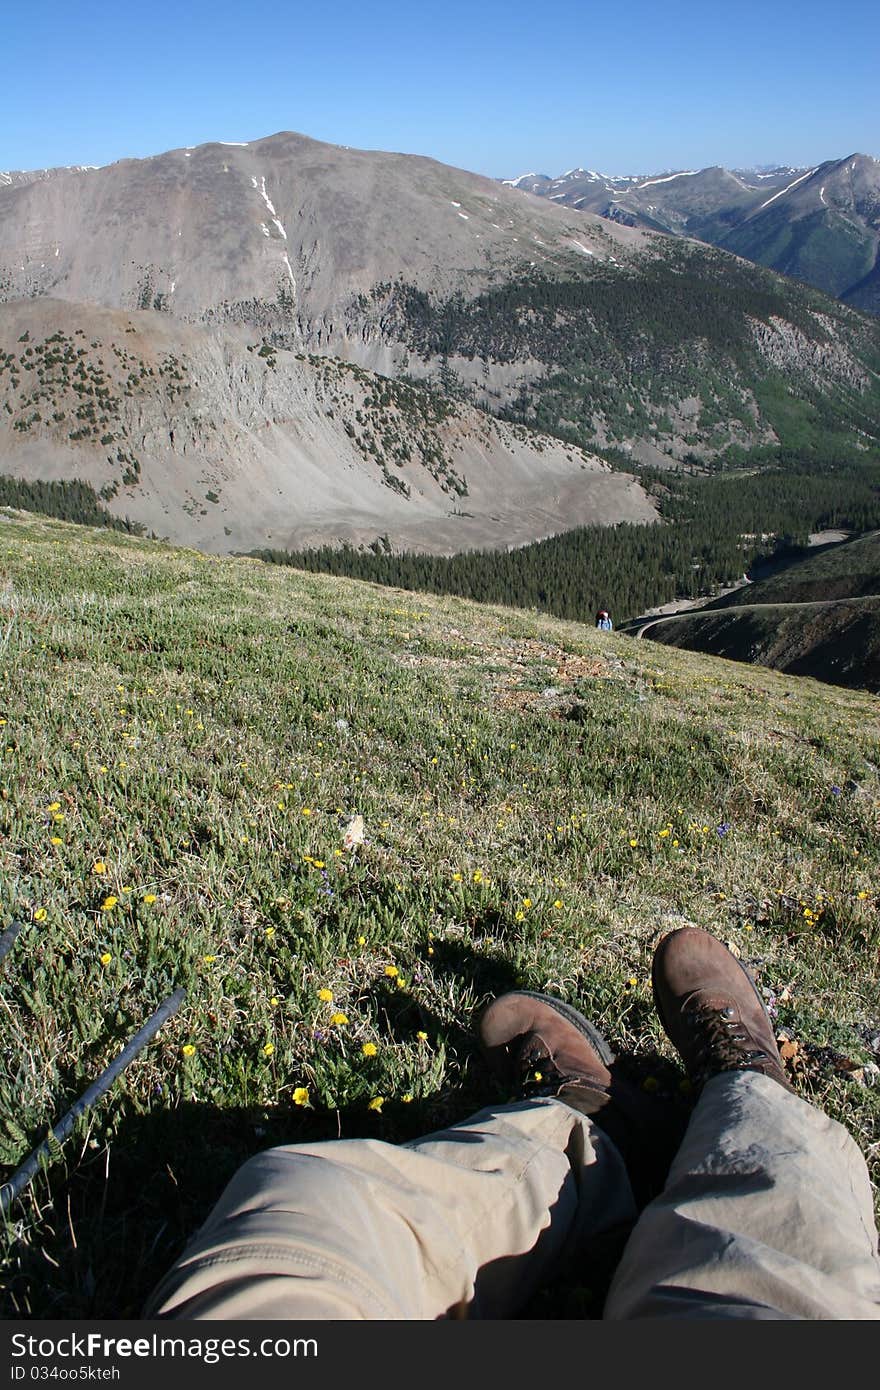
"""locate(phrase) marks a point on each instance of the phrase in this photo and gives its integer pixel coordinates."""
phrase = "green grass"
(540, 802)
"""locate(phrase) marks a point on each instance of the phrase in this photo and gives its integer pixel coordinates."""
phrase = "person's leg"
(466, 1222)
(767, 1211)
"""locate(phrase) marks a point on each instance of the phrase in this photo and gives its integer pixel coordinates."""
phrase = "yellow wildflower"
(339, 1020)
(109, 903)
(369, 1049)
(268, 1049)
(99, 867)
(301, 1095)
(326, 996)
(376, 1103)
(391, 971)
(106, 958)
(40, 915)
(149, 898)
(187, 1049)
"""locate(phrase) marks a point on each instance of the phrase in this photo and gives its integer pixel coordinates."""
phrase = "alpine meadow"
(342, 817)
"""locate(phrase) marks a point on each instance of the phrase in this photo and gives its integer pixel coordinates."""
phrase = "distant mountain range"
(819, 224)
(290, 342)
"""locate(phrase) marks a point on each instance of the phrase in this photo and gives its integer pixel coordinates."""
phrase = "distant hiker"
(766, 1212)
(603, 621)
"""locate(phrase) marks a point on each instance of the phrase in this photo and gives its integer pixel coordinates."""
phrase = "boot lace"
(722, 1043)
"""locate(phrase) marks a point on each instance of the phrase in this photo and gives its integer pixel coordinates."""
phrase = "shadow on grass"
(108, 1232)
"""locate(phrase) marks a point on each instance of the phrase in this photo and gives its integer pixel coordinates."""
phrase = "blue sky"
(499, 88)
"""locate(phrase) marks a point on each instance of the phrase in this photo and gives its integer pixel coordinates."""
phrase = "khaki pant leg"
(465, 1222)
(767, 1213)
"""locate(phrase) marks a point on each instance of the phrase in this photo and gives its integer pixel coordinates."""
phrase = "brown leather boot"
(711, 1010)
(539, 1046)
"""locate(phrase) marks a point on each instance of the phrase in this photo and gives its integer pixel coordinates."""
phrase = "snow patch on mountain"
(667, 178)
(787, 189)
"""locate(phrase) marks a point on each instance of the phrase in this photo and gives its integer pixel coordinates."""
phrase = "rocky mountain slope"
(820, 224)
(211, 439)
(282, 233)
(238, 267)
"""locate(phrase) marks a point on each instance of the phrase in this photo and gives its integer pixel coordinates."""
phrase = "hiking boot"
(539, 1046)
(711, 1010)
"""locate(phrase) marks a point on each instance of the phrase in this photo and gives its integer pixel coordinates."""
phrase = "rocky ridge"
(820, 224)
(244, 268)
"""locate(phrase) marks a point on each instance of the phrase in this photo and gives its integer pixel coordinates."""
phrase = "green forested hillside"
(713, 529)
(624, 352)
(68, 501)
